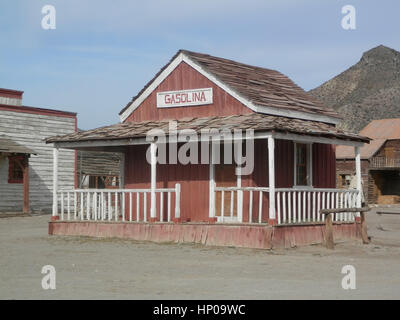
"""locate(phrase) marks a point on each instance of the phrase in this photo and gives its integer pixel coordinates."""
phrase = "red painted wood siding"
(194, 178)
(182, 78)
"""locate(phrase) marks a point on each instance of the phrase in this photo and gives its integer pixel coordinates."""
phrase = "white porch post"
(358, 176)
(271, 175)
(55, 181)
(153, 150)
(211, 208)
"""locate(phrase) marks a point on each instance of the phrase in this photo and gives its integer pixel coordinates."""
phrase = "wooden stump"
(329, 231)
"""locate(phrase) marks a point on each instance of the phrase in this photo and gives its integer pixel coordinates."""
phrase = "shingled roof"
(260, 86)
(255, 121)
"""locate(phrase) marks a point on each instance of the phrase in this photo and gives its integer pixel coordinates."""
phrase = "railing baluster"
(169, 207)
(319, 206)
(109, 207)
(260, 194)
(137, 206)
(299, 206)
(313, 207)
(144, 207)
(95, 206)
(222, 205)
(278, 200)
(68, 206)
(130, 206)
(82, 214)
(251, 206)
(289, 207)
(284, 208)
(231, 208)
(294, 207)
(161, 206)
(62, 205)
(123, 205)
(308, 206)
(116, 206)
(75, 206)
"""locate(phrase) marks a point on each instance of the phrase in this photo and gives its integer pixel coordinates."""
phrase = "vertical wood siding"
(30, 130)
(185, 77)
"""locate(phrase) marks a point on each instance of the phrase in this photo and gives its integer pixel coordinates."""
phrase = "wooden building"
(380, 162)
(26, 165)
(290, 136)
(98, 170)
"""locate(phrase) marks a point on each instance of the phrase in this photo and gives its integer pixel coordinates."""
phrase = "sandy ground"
(116, 269)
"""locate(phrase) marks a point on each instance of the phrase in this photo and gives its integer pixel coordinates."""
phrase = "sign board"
(181, 98)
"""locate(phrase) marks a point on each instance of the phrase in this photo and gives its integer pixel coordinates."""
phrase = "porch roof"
(257, 122)
(9, 146)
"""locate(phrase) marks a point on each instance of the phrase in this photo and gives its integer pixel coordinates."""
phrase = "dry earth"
(89, 268)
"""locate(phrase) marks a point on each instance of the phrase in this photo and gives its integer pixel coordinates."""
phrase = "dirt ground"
(116, 269)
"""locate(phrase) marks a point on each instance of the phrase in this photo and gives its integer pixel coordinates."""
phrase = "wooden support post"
(364, 234)
(26, 184)
(329, 231)
(153, 160)
(271, 176)
(55, 182)
(211, 207)
(358, 177)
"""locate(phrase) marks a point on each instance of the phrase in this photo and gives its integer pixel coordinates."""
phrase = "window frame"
(309, 165)
(11, 166)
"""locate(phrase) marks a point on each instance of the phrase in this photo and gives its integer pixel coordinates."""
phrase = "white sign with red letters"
(181, 98)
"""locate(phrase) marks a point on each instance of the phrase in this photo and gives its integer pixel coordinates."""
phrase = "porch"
(293, 179)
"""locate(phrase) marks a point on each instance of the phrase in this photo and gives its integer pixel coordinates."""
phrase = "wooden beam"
(339, 210)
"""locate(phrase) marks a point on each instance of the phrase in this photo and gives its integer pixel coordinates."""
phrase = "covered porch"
(277, 194)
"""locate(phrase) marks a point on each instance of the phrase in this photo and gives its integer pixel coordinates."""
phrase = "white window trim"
(309, 165)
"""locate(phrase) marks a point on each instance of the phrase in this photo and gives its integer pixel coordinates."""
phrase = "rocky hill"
(367, 91)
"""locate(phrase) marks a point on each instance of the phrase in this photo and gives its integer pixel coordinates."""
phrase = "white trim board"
(256, 108)
(257, 135)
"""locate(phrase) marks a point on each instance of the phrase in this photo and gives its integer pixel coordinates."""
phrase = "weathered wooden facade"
(98, 170)
(25, 129)
(290, 136)
(380, 162)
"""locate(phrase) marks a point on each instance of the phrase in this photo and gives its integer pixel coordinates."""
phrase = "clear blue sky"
(103, 52)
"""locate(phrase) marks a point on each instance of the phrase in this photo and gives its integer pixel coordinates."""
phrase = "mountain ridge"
(366, 91)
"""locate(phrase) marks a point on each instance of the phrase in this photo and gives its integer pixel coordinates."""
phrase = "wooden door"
(225, 177)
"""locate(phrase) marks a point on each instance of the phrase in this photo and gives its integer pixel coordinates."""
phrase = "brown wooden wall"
(194, 178)
(182, 78)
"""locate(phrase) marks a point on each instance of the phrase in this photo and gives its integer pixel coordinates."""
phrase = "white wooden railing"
(245, 204)
(292, 205)
(119, 204)
(304, 205)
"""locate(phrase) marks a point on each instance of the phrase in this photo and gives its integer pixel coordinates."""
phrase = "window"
(302, 164)
(15, 173)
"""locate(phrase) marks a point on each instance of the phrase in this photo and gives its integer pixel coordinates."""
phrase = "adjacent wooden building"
(26, 164)
(380, 162)
(210, 199)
